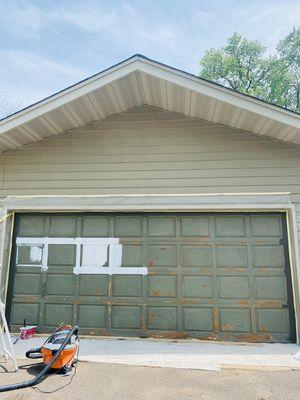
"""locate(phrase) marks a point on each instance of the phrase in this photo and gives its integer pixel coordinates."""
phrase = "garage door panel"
(268, 256)
(232, 256)
(162, 255)
(233, 287)
(60, 284)
(162, 318)
(61, 255)
(272, 320)
(161, 226)
(93, 285)
(62, 226)
(266, 225)
(126, 317)
(196, 256)
(196, 286)
(25, 311)
(31, 226)
(129, 226)
(198, 319)
(268, 287)
(127, 286)
(58, 313)
(132, 255)
(235, 320)
(195, 226)
(162, 286)
(94, 316)
(229, 226)
(95, 227)
(27, 283)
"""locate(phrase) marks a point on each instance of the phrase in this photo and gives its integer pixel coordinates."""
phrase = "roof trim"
(70, 93)
(159, 70)
(220, 92)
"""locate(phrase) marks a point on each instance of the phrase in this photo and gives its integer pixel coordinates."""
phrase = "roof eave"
(161, 71)
(69, 94)
(220, 93)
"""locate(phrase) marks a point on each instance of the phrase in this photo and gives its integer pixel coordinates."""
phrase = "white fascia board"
(218, 92)
(66, 96)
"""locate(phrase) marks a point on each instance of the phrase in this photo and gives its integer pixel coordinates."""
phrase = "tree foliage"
(244, 66)
(289, 52)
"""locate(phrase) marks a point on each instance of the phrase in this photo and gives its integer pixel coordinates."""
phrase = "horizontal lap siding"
(1, 229)
(151, 151)
(298, 222)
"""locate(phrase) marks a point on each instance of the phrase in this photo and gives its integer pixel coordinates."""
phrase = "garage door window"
(93, 255)
(30, 255)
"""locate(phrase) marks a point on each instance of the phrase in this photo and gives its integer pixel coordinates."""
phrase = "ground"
(121, 382)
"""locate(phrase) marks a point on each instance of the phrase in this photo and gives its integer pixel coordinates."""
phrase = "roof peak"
(110, 91)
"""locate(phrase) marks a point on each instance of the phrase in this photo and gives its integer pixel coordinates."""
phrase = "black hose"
(43, 372)
(34, 353)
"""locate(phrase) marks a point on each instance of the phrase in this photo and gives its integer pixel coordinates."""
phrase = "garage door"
(175, 275)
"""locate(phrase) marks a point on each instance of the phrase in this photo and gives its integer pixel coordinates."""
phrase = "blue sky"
(48, 45)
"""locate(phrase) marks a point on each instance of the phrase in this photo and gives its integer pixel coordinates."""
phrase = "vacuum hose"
(34, 353)
(38, 377)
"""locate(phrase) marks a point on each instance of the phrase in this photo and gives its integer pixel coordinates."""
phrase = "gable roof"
(137, 81)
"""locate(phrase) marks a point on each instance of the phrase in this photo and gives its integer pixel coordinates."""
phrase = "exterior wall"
(151, 152)
(148, 151)
(297, 212)
(298, 219)
(6, 224)
(1, 249)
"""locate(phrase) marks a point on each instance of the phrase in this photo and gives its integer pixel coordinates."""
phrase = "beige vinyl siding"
(1, 229)
(151, 151)
(297, 206)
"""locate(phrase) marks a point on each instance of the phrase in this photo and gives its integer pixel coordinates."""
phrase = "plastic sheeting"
(148, 202)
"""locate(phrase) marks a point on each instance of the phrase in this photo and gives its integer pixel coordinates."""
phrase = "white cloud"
(273, 22)
(40, 66)
(25, 19)
(30, 77)
(125, 24)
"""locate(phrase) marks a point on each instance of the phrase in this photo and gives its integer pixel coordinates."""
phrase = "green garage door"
(174, 275)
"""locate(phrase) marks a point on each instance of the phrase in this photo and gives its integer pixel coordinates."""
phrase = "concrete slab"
(186, 354)
(121, 382)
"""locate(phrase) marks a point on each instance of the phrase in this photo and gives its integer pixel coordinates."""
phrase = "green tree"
(289, 52)
(244, 66)
(278, 87)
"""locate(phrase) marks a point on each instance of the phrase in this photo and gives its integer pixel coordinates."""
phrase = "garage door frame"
(266, 202)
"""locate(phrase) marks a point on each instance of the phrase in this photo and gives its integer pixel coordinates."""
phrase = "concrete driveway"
(189, 354)
(119, 382)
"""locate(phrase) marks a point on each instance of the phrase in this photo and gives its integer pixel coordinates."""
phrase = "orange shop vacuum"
(65, 359)
(58, 353)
